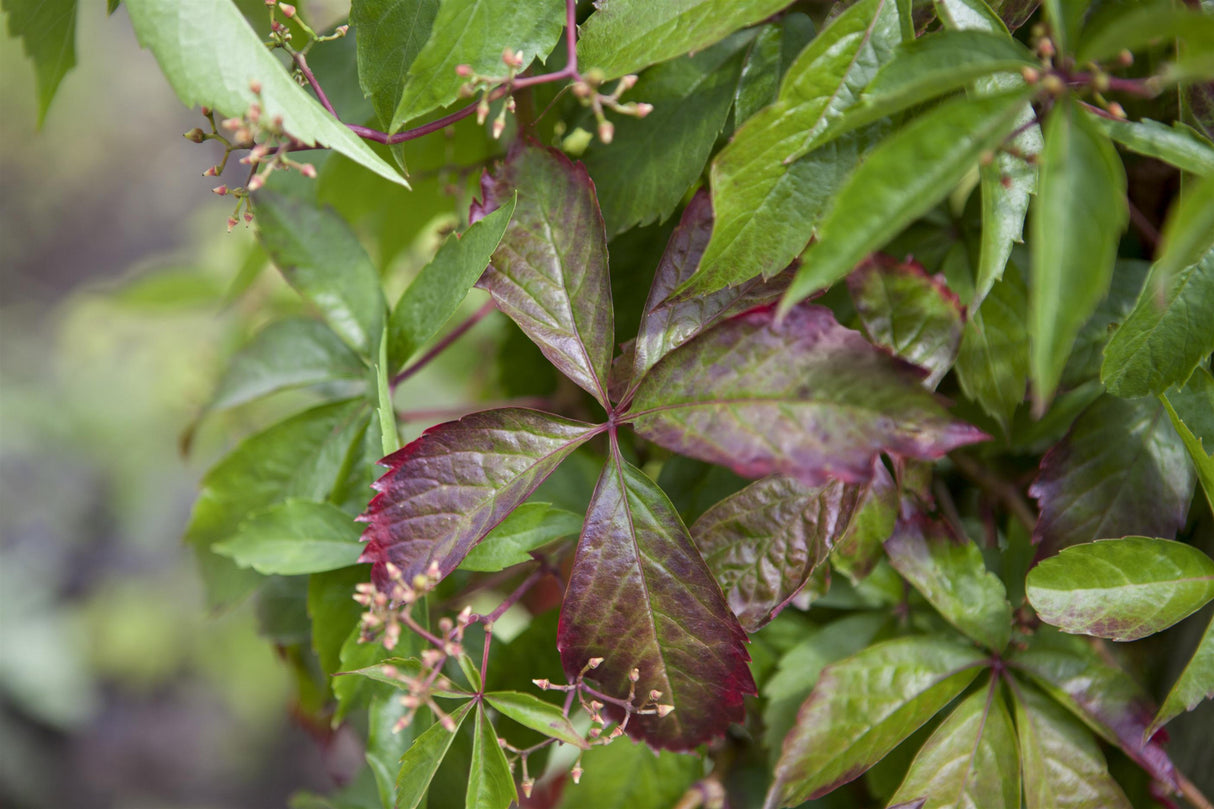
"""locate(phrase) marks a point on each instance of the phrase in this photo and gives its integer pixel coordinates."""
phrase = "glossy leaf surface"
(536, 714)
(993, 359)
(295, 537)
(390, 34)
(549, 273)
(626, 35)
(862, 707)
(490, 784)
(1195, 683)
(1077, 222)
(914, 315)
(1190, 411)
(801, 396)
(859, 548)
(949, 572)
(1121, 589)
(969, 761)
(421, 760)
(1121, 470)
(47, 29)
(447, 489)
(209, 54)
(1063, 768)
(763, 543)
(640, 596)
(1188, 232)
(1176, 144)
(529, 527)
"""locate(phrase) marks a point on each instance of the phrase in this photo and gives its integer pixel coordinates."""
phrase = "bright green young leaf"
(389, 435)
(442, 284)
(295, 537)
(1063, 768)
(390, 34)
(1077, 222)
(863, 707)
(1191, 410)
(643, 174)
(210, 54)
(421, 760)
(765, 210)
(627, 775)
(1195, 683)
(47, 29)
(993, 363)
(1177, 144)
(474, 33)
(1166, 336)
(333, 613)
(530, 526)
(288, 353)
(536, 714)
(970, 760)
(1188, 233)
(624, 36)
(1121, 589)
(949, 572)
(490, 784)
(322, 258)
(901, 180)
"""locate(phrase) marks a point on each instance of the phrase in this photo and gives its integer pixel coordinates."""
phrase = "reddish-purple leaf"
(447, 489)
(1121, 470)
(859, 548)
(801, 396)
(909, 312)
(549, 273)
(764, 542)
(641, 597)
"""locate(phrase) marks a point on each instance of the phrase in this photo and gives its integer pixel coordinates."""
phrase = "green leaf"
(1199, 396)
(295, 537)
(47, 29)
(1166, 336)
(993, 362)
(1077, 222)
(288, 353)
(323, 260)
(1176, 144)
(1188, 233)
(970, 760)
(530, 526)
(1121, 589)
(386, 745)
(474, 33)
(1134, 29)
(863, 707)
(442, 284)
(333, 613)
(901, 180)
(389, 436)
(950, 573)
(766, 210)
(643, 174)
(490, 784)
(421, 760)
(209, 54)
(625, 775)
(624, 36)
(1063, 768)
(859, 549)
(768, 58)
(1195, 683)
(390, 34)
(1064, 18)
(533, 712)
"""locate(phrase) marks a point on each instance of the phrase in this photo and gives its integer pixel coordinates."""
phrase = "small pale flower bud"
(1125, 58)
(448, 723)
(499, 126)
(1117, 111)
(232, 124)
(527, 784)
(232, 223)
(626, 83)
(463, 70)
(196, 135)
(342, 30)
(634, 675)
(655, 695)
(248, 217)
(606, 131)
(663, 710)
(482, 110)
(256, 182)
(576, 773)
(1046, 48)
(594, 662)
(205, 111)
(1053, 84)
(1031, 74)
(643, 109)
(542, 683)
(221, 190)
(431, 657)
(255, 86)
(288, 10)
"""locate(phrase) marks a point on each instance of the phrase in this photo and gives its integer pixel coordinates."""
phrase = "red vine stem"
(443, 344)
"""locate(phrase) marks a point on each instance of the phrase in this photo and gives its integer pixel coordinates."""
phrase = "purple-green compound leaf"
(859, 548)
(970, 761)
(801, 396)
(764, 542)
(901, 180)
(909, 312)
(641, 597)
(993, 361)
(1191, 410)
(949, 572)
(1121, 470)
(447, 489)
(1077, 221)
(1063, 768)
(531, 711)
(549, 273)
(1195, 683)
(1121, 589)
(1105, 698)
(490, 784)
(863, 707)
(421, 760)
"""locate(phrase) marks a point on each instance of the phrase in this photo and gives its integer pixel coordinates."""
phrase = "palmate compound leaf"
(764, 542)
(490, 784)
(421, 760)
(801, 396)
(641, 598)
(390, 34)
(549, 273)
(863, 707)
(1121, 589)
(970, 761)
(447, 489)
